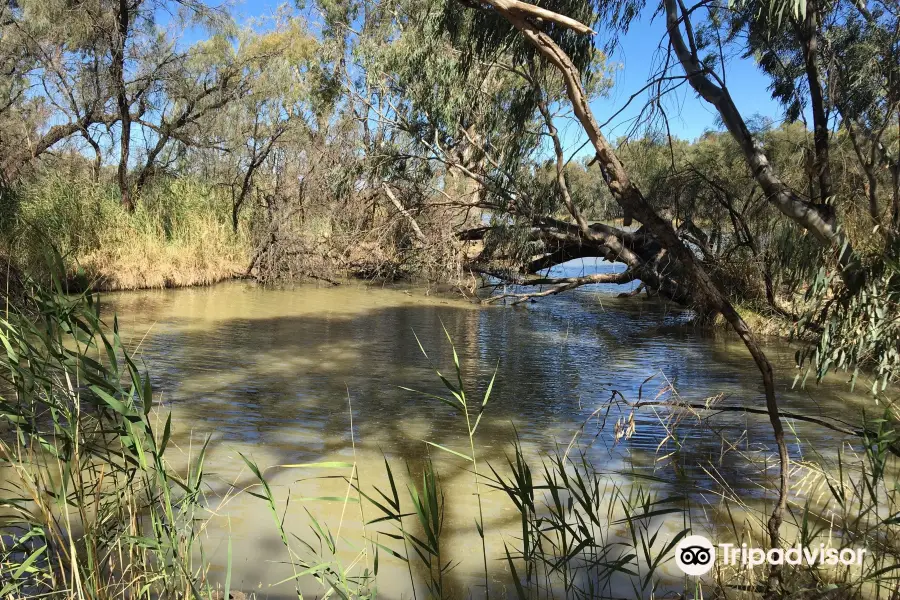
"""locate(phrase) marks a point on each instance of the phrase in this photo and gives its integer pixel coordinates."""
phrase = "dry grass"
(767, 324)
(129, 260)
(180, 234)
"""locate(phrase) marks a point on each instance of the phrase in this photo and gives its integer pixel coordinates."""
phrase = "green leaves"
(858, 331)
(454, 452)
(777, 9)
(115, 404)
(459, 401)
(84, 434)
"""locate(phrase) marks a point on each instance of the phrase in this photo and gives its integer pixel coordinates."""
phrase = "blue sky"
(689, 116)
(636, 57)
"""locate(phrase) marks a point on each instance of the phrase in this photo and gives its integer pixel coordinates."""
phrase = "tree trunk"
(118, 69)
(13, 165)
(807, 216)
(632, 201)
(822, 165)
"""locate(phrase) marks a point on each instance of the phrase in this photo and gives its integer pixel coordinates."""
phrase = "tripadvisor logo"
(695, 555)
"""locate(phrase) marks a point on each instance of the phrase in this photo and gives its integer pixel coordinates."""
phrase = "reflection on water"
(272, 373)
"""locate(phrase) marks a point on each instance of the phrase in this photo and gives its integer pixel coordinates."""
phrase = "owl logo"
(695, 555)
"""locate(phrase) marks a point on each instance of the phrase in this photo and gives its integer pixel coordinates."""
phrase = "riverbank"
(179, 235)
(763, 322)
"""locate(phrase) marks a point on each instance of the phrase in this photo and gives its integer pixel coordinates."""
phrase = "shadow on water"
(271, 373)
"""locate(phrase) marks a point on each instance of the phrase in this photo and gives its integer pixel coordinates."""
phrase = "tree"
(103, 65)
(545, 38)
(54, 89)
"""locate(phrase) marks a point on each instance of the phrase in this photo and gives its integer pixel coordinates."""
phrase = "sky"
(689, 116)
(634, 61)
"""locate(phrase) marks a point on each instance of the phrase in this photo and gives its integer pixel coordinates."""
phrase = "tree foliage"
(423, 138)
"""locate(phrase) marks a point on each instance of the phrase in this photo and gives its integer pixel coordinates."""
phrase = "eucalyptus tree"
(104, 67)
(551, 44)
(53, 85)
(483, 121)
(141, 59)
(836, 62)
(299, 150)
(270, 112)
(804, 54)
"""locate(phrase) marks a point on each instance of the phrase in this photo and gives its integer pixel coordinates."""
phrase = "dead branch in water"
(563, 284)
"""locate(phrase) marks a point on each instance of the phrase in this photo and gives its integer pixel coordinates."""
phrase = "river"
(273, 373)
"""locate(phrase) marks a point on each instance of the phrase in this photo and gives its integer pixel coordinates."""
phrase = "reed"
(91, 508)
(583, 535)
(179, 234)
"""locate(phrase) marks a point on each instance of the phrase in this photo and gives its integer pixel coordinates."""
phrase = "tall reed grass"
(179, 235)
(90, 506)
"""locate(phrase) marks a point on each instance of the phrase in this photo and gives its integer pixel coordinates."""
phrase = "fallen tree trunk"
(641, 253)
(704, 288)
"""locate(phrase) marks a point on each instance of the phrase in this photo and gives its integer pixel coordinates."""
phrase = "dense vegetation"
(416, 139)
(155, 143)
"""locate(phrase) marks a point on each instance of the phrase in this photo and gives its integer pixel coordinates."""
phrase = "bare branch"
(523, 9)
(405, 213)
(563, 284)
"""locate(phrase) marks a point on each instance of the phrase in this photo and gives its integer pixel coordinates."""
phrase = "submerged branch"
(563, 284)
(844, 429)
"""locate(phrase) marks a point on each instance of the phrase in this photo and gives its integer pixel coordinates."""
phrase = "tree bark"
(13, 165)
(98, 155)
(120, 39)
(406, 214)
(821, 136)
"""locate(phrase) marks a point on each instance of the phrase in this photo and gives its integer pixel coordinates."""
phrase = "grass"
(761, 320)
(91, 508)
(179, 235)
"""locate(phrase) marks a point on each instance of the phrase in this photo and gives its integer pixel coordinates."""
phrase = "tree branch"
(563, 284)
